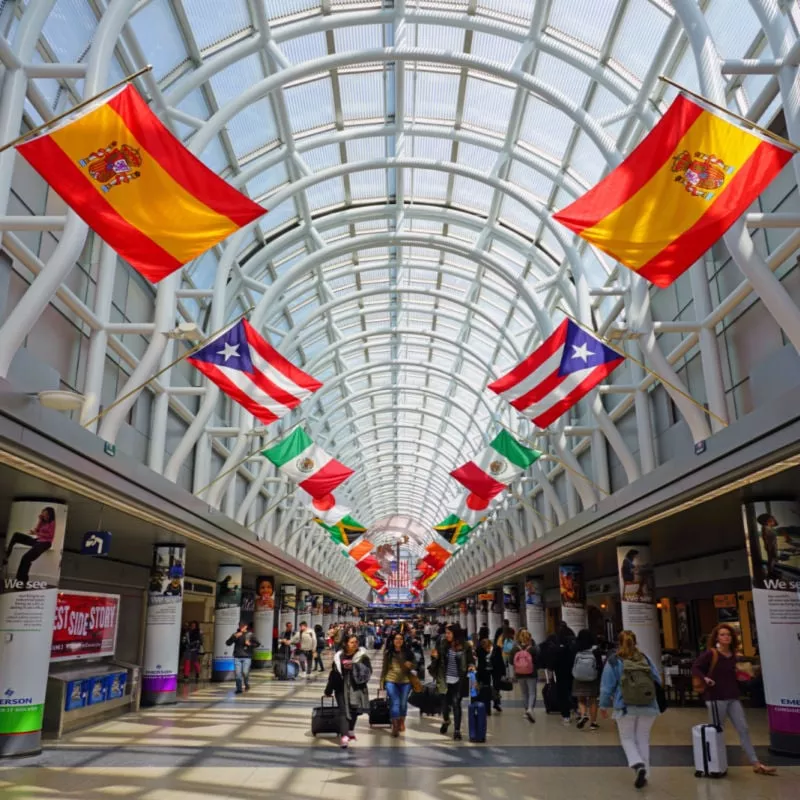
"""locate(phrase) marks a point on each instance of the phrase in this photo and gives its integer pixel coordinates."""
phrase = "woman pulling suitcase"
(348, 679)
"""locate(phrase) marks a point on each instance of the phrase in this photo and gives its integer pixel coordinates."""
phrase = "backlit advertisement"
(85, 626)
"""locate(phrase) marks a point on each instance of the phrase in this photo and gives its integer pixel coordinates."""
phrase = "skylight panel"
(279, 216)
(497, 49)
(487, 104)
(366, 149)
(734, 25)
(479, 158)
(326, 194)
(431, 95)
(69, 29)
(585, 21)
(358, 37)
(472, 194)
(302, 49)
(267, 181)
(639, 36)
(252, 128)
(587, 161)
(518, 10)
(310, 105)
(569, 80)
(426, 184)
(513, 213)
(160, 37)
(368, 184)
(444, 38)
(545, 128)
(530, 180)
(209, 27)
(363, 95)
(277, 9)
(214, 156)
(321, 158)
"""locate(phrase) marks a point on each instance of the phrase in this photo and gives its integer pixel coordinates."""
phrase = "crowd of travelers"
(585, 677)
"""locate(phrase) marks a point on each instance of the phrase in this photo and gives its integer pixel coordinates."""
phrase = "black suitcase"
(379, 712)
(550, 698)
(326, 718)
(284, 670)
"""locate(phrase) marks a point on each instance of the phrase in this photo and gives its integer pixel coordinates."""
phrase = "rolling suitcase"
(476, 714)
(379, 713)
(708, 745)
(326, 719)
(285, 670)
(550, 698)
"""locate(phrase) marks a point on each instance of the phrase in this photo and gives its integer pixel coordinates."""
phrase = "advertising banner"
(303, 607)
(511, 604)
(534, 608)
(288, 606)
(316, 611)
(638, 598)
(773, 546)
(495, 611)
(483, 602)
(163, 626)
(85, 626)
(227, 612)
(573, 596)
(463, 620)
(30, 573)
(328, 617)
(264, 619)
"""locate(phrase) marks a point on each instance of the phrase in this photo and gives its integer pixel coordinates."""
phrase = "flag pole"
(273, 507)
(733, 114)
(625, 354)
(199, 346)
(246, 458)
(78, 107)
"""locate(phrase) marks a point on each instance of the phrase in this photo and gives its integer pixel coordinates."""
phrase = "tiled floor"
(216, 745)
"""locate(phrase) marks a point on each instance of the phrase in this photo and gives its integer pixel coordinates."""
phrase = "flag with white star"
(555, 376)
(253, 373)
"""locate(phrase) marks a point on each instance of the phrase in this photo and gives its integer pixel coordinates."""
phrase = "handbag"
(505, 685)
(699, 686)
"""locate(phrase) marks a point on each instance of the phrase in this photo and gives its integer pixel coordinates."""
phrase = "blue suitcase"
(476, 714)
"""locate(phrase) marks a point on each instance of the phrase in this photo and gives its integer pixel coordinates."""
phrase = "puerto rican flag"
(253, 373)
(555, 376)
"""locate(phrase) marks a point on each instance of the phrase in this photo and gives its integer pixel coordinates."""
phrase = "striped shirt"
(451, 672)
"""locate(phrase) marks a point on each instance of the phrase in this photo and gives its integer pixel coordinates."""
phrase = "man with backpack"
(523, 661)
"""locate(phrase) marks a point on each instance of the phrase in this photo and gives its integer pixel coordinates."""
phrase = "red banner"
(85, 626)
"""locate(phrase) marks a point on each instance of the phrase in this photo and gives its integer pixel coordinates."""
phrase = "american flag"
(400, 577)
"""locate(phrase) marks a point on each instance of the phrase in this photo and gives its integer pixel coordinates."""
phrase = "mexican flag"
(494, 468)
(314, 470)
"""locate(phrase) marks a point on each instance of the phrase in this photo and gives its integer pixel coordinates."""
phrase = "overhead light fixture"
(61, 399)
(187, 331)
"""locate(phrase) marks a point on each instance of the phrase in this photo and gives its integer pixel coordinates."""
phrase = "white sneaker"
(565, 721)
(344, 741)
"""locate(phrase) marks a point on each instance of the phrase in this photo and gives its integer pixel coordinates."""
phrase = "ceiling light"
(187, 331)
(61, 400)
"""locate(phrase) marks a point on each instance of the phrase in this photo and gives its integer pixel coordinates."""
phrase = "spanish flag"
(677, 193)
(137, 186)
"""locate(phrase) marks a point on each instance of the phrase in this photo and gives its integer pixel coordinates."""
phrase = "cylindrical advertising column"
(162, 636)
(637, 594)
(327, 613)
(303, 607)
(482, 602)
(264, 620)
(773, 546)
(288, 607)
(31, 570)
(573, 596)
(534, 608)
(463, 620)
(226, 619)
(495, 611)
(316, 610)
(511, 604)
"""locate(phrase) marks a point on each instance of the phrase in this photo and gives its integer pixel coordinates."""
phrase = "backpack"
(636, 683)
(585, 667)
(508, 646)
(523, 663)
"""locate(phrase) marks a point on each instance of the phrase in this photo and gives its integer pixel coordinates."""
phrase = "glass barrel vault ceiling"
(405, 161)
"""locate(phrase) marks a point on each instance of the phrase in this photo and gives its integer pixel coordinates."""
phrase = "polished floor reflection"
(215, 745)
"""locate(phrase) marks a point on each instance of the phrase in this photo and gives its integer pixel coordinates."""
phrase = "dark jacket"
(194, 641)
(351, 696)
(725, 687)
(243, 645)
(438, 665)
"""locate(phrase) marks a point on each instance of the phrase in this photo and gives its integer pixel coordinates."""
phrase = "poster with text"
(303, 607)
(773, 539)
(264, 618)
(30, 573)
(288, 612)
(227, 613)
(85, 626)
(316, 610)
(163, 626)
(573, 596)
(638, 598)
(511, 604)
(534, 608)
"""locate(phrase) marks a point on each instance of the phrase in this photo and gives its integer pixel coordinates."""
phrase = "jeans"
(734, 710)
(528, 685)
(309, 654)
(634, 736)
(398, 698)
(241, 668)
(318, 661)
(452, 700)
(36, 548)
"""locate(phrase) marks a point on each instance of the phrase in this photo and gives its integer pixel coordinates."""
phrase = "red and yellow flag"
(677, 193)
(137, 186)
